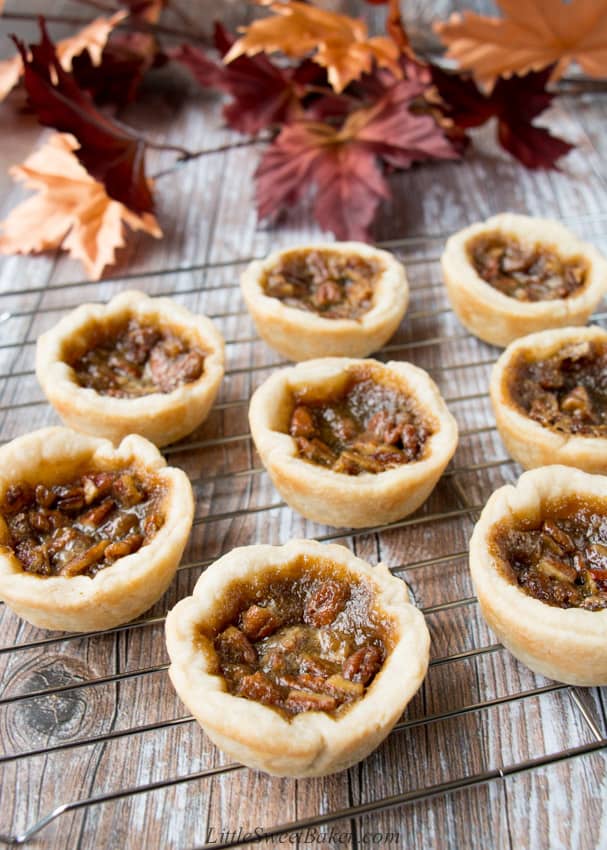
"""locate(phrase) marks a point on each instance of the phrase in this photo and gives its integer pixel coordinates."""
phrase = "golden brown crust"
(566, 644)
(527, 441)
(334, 498)
(161, 418)
(313, 743)
(300, 335)
(498, 319)
(133, 583)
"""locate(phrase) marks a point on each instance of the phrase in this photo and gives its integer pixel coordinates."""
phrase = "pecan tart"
(297, 659)
(513, 274)
(339, 298)
(134, 365)
(538, 557)
(352, 442)
(90, 535)
(549, 395)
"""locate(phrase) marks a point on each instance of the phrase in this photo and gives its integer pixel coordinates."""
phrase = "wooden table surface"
(86, 716)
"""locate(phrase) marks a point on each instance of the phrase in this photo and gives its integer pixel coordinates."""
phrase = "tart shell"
(566, 644)
(334, 498)
(498, 319)
(161, 418)
(312, 743)
(131, 584)
(302, 335)
(527, 441)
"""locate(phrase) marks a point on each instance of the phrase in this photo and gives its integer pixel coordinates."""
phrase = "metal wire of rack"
(467, 508)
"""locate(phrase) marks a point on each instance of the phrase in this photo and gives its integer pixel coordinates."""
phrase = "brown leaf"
(71, 211)
(92, 38)
(109, 152)
(339, 43)
(344, 163)
(530, 36)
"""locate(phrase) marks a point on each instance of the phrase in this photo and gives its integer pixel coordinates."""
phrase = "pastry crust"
(566, 644)
(334, 498)
(527, 441)
(301, 335)
(498, 319)
(131, 584)
(312, 743)
(161, 417)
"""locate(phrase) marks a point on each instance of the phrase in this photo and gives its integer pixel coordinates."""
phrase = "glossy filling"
(333, 285)
(135, 360)
(562, 559)
(82, 526)
(525, 272)
(567, 391)
(304, 643)
(368, 427)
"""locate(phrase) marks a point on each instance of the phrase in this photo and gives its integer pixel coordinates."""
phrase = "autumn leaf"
(92, 39)
(108, 152)
(146, 10)
(345, 163)
(71, 211)
(125, 60)
(515, 102)
(263, 93)
(339, 43)
(530, 36)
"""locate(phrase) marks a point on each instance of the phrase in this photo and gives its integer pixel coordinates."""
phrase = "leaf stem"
(189, 155)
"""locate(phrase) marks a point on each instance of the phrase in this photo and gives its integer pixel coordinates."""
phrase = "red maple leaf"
(515, 102)
(109, 153)
(345, 163)
(263, 93)
(125, 60)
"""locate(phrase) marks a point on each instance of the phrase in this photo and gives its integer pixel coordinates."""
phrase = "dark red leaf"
(263, 94)
(515, 102)
(109, 153)
(343, 163)
(125, 60)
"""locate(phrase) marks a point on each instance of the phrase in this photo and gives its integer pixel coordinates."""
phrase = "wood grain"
(207, 213)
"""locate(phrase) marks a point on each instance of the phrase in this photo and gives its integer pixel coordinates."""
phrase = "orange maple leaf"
(531, 36)
(92, 38)
(342, 44)
(71, 211)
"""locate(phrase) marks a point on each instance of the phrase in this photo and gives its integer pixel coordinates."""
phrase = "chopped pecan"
(81, 563)
(17, 497)
(97, 514)
(302, 422)
(342, 688)
(316, 451)
(363, 664)
(258, 687)
(258, 622)
(324, 603)
(235, 646)
(121, 548)
(298, 701)
(34, 558)
(126, 490)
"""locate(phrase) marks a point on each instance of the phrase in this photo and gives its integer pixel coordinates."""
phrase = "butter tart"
(134, 365)
(299, 659)
(90, 535)
(538, 557)
(513, 274)
(549, 396)
(352, 442)
(338, 298)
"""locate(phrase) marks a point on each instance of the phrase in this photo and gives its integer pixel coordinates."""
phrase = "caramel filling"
(368, 427)
(333, 285)
(562, 559)
(567, 391)
(135, 360)
(525, 272)
(302, 643)
(82, 526)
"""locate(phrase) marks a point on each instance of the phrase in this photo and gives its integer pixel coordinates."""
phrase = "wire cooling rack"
(237, 505)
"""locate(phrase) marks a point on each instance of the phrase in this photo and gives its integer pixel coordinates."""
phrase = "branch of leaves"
(343, 110)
